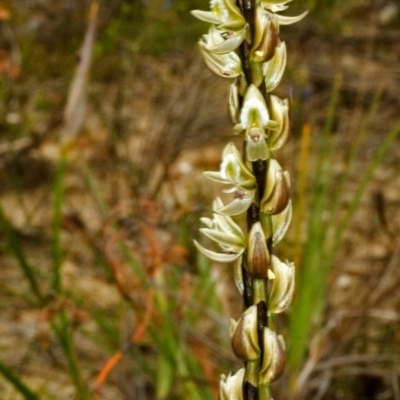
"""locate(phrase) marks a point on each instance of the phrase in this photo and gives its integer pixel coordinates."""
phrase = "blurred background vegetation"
(102, 295)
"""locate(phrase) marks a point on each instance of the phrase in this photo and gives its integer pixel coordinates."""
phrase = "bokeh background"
(107, 119)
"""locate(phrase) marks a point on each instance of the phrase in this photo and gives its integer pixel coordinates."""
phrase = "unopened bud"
(277, 225)
(274, 68)
(280, 114)
(277, 195)
(258, 255)
(266, 36)
(274, 360)
(282, 286)
(231, 386)
(244, 335)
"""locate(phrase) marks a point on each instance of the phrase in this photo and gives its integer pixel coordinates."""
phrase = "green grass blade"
(323, 170)
(17, 251)
(318, 258)
(94, 190)
(62, 328)
(11, 377)
(366, 178)
(56, 223)
(105, 212)
(353, 154)
(308, 300)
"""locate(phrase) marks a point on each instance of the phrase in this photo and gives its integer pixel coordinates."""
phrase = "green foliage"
(18, 253)
(17, 383)
(154, 28)
(326, 226)
(57, 215)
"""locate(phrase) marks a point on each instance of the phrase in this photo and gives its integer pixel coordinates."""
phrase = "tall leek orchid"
(226, 16)
(226, 233)
(243, 44)
(254, 120)
(224, 62)
(234, 172)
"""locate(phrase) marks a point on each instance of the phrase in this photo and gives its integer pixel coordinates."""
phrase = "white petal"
(215, 176)
(284, 20)
(225, 240)
(237, 206)
(230, 168)
(228, 45)
(220, 64)
(233, 9)
(206, 16)
(207, 222)
(254, 107)
(218, 257)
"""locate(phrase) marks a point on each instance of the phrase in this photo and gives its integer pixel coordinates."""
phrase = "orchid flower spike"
(224, 231)
(225, 64)
(254, 120)
(234, 172)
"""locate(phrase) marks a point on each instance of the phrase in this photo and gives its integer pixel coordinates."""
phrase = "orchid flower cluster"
(243, 44)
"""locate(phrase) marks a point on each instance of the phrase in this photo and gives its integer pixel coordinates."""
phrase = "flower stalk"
(243, 44)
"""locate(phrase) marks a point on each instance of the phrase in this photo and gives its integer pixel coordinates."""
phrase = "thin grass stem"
(15, 247)
(57, 223)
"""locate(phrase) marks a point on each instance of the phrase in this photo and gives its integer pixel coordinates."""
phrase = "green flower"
(280, 114)
(223, 230)
(234, 172)
(231, 386)
(281, 285)
(258, 256)
(274, 360)
(274, 68)
(277, 189)
(219, 56)
(224, 14)
(274, 6)
(254, 119)
(244, 335)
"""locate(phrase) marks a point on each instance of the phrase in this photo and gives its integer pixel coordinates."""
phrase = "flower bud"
(276, 225)
(276, 195)
(266, 36)
(274, 68)
(231, 387)
(282, 286)
(258, 257)
(244, 335)
(273, 362)
(234, 171)
(280, 114)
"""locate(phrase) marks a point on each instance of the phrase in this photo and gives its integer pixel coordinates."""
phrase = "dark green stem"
(255, 290)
